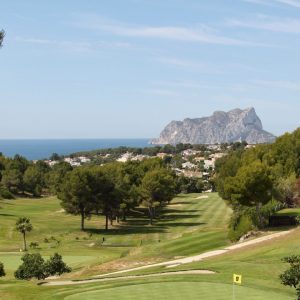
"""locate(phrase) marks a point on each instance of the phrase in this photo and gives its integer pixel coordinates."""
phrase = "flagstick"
(233, 294)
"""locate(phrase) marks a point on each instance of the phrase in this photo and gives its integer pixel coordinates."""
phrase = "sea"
(43, 148)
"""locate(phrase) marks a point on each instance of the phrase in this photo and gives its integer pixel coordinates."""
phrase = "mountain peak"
(221, 127)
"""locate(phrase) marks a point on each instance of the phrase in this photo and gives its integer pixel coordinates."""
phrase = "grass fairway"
(292, 212)
(190, 225)
(178, 291)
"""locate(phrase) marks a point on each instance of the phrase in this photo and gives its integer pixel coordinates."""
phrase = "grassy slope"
(260, 265)
(293, 212)
(190, 225)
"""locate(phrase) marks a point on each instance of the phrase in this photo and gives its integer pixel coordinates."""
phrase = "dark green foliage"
(291, 277)
(33, 245)
(12, 180)
(55, 157)
(251, 178)
(190, 185)
(33, 266)
(243, 224)
(77, 194)
(2, 34)
(5, 193)
(2, 271)
(18, 175)
(158, 186)
(56, 266)
(55, 177)
(23, 225)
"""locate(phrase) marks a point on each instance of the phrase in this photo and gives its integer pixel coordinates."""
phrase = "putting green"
(12, 261)
(179, 291)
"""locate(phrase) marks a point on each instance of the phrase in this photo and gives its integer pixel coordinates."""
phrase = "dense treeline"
(112, 190)
(260, 180)
(151, 151)
(20, 176)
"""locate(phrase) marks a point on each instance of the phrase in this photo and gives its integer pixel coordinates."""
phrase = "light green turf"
(190, 226)
(178, 291)
(294, 212)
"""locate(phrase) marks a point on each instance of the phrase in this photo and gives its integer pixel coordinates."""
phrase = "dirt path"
(174, 263)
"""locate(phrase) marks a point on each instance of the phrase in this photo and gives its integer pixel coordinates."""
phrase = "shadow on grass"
(177, 216)
(127, 230)
(183, 224)
(7, 215)
(175, 211)
(279, 228)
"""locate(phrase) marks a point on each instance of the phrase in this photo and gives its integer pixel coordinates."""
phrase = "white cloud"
(269, 23)
(68, 45)
(160, 92)
(292, 3)
(202, 67)
(280, 84)
(200, 33)
(74, 46)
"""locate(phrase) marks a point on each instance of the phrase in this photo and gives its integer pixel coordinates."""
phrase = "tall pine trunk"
(82, 220)
(150, 215)
(24, 241)
(259, 215)
(106, 221)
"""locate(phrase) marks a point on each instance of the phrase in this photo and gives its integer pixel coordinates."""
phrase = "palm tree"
(23, 225)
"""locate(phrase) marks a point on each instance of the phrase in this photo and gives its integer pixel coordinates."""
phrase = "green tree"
(252, 186)
(76, 193)
(286, 189)
(55, 157)
(2, 272)
(23, 225)
(33, 180)
(291, 277)
(55, 177)
(12, 179)
(33, 266)
(2, 34)
(56, 266)
(105, 196)
(157, 186)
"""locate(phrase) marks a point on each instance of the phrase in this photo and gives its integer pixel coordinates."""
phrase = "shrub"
(6, 194)
(34, 266)
(56, 266)
(2, 272)
(291, 277)
(33, 245)
(243, 225)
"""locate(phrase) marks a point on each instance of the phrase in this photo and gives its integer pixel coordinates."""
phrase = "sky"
(126, 68)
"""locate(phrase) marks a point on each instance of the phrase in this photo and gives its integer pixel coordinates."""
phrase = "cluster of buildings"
(73, 161)
(193, 163)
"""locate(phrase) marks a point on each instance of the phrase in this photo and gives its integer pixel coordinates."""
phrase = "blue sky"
(126, 68)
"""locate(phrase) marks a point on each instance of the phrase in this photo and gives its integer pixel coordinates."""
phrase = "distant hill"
(222, 127)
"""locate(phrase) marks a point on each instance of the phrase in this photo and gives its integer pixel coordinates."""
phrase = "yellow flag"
(237, 278)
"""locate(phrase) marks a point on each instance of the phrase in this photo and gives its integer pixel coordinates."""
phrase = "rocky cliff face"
(221, 127)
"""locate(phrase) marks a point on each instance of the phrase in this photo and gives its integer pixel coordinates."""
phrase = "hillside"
(221, 127)
(190, 224)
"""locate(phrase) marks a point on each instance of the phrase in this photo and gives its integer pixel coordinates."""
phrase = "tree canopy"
(2, 34)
